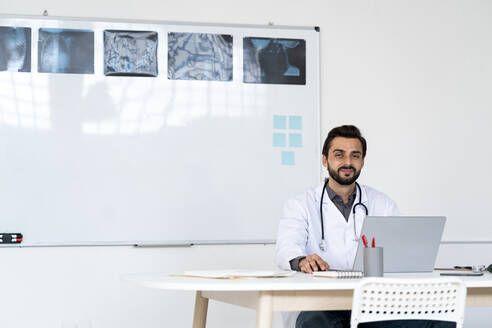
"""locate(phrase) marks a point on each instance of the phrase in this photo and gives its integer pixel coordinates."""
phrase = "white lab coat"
(299, 232)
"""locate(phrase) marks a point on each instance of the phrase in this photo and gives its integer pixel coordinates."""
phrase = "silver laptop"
(410, 243)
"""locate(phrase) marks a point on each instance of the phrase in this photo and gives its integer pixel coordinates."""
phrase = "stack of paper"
(236, 274)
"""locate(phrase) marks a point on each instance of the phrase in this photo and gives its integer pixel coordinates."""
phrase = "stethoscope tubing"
(359, 203)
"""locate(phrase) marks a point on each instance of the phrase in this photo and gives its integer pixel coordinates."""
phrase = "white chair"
(379, 299)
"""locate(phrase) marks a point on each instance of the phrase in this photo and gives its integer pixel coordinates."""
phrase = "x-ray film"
(15, 49)
(274, 61)
(130, 53)
(65, 51)
(199, 56)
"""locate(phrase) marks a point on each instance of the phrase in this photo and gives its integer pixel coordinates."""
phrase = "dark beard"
(341, 180)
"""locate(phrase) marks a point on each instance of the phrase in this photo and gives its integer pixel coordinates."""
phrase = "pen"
(364, 240)
(373, 242)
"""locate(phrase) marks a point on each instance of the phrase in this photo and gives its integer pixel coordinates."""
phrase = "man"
(299, 243)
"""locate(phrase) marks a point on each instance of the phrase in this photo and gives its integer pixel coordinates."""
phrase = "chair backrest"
(379, 299)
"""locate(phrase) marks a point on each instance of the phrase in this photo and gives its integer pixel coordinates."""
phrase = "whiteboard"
(94, 159)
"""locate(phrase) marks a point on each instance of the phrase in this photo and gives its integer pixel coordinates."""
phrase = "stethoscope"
(322, 245)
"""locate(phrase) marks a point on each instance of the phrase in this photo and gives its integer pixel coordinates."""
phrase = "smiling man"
(305, 244)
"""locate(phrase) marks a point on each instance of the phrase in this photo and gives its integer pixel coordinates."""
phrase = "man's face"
(344, 160)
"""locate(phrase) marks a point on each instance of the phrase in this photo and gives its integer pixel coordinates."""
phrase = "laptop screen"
(410, 243)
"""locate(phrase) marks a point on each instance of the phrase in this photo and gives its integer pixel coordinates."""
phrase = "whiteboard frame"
(180, 243)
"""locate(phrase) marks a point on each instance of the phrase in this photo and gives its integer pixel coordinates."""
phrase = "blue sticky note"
(279, 140)
(279, 122)
(295, 122)
(288, 158)
(295, 140)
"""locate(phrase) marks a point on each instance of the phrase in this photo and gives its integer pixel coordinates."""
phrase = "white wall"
(382, 61)
(81, 287)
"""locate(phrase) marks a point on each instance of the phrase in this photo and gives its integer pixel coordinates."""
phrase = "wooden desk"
(300, 292)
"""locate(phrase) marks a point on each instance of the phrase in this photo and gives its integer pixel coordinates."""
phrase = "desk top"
(299, 281)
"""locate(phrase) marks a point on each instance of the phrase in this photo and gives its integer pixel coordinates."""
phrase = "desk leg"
(201, 307)
(264, 311)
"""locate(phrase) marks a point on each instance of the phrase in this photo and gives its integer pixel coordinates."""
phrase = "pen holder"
(373, 262)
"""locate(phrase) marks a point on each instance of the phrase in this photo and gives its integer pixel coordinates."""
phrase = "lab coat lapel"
(364, 195)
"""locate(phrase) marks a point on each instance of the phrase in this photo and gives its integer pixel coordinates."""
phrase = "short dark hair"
(344, 131)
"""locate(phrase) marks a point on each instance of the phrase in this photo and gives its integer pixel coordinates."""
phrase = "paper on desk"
(236, 274)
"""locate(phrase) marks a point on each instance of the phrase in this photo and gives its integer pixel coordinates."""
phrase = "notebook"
(338, 274)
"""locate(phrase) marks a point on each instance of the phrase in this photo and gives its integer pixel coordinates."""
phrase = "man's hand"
(313, 263)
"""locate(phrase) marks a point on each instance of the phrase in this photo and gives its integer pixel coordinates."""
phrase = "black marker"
(11, 238)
